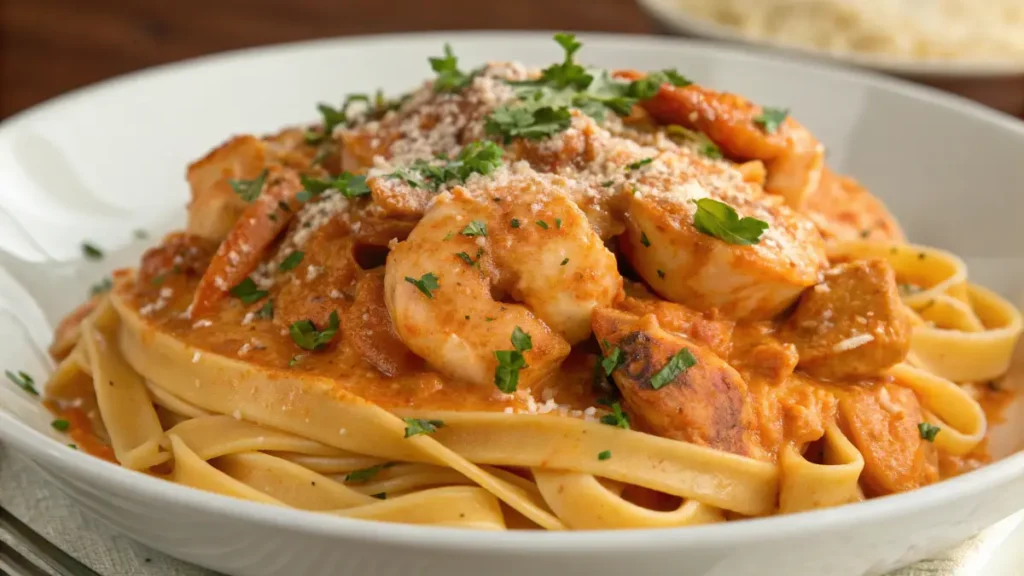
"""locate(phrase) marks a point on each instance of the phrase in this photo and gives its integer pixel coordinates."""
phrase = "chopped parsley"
(295, 360)
(644, 239)
(612, 361)
(515, 223)
(101, 287)
(60, 425)
(771, 119)
(617, 418)
(266, 311)
(91, 252)
(639, 164)
(249, 190)
(23, 381)
(679, 363)
(647, 87)
(604, 455)
(720, 220)
(425, 284)
(140, 234)
(533, 119)
(469, 259)
(305, 334)
(564, 262)
(247, 291)
(158, 280)
(350, 185)
(475, 228)
(558, 223)
(366, 474)
(510, 362)
(928, 431)
(449, 77)
(380, 496)
(542, 224)
(416, 426)
(291, 261)
(661, 274)
(480, 157)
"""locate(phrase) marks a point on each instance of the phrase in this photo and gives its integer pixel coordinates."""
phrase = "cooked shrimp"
(843, 210)
(243, 249)
(684, 265)
(521, 237)
(794, 158)
(705, 403)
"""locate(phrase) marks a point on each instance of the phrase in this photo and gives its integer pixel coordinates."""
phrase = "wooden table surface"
(48, 47)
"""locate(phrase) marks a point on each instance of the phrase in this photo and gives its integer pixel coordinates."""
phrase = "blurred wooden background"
(48, 47)
(51, 46)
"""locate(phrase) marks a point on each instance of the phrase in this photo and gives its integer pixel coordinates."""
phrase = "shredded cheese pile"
(982, 30)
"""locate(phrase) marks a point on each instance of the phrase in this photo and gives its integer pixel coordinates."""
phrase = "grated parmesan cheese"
(853, 342)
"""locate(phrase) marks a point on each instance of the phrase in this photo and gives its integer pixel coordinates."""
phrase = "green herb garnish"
(475, 228)
(416, 426)
(425, 284)
(249, 190)
(365, 474)
(610, 362)
(542, 224)
(771, 119)
(617, 418)
(305, 334)
(720, 220)
(928, 431)
(510, 362)
(679, 363)
(604, 455)
(91, 252)
(60, 425)
(644, 240)
(639, 164)
(449, 77)
(348, 184)
(266, 311)
(23, 381)
(291, 261)
(515, 223)
(247, 291)
(101, 287)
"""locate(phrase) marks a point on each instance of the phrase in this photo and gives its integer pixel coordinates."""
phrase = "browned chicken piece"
(323, 282)
(705, 404)
(882, 420)
(794, 410)
(851, 325)
(705, 328)
(843, 210)
(215, 207)
(368, 328)
(761, 356)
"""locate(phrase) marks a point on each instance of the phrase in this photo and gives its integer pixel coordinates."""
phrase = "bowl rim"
(45, 449)
(671, 14)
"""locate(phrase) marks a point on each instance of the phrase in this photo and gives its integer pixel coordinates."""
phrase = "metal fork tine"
(56, 560)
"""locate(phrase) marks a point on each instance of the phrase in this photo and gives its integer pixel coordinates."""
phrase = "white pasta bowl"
(103, 162)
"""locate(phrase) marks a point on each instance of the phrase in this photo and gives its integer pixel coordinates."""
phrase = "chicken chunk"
(851, 325)
(882, 422)
(705, 404)
(704, 328)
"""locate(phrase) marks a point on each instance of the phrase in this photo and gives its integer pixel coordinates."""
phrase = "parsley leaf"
(679, 363)
(305, 334)
(91, 252)
(610, 362)
(604, 455)
(247, 291)
(639, 164)
(928, 431)
(101, 287)
(475, 228)
(380, 496)
(350, 185)
(720, 220)
(617, 418)
(542, 224)
(510, 362)
(60, 425)
(291, 261)
(564, 262)
(23, 381)
(249, 190)
(366, 474)
(647, 87)
(469, 259)
(480, 157)
(771, 119)
(426, 283)
(644, 239)
(568, 74)
(266, 311)
(533, 119)
(417, 426)
(449, 77)
(515, 223)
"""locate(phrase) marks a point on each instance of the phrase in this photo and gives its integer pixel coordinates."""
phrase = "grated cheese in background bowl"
(921, 30)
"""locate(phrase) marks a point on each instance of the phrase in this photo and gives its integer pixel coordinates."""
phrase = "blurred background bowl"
(996, 84)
